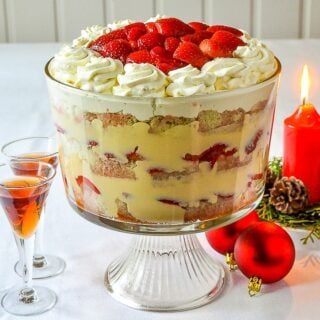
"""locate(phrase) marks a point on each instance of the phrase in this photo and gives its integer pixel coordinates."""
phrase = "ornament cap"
(254, 286)
(230, 261)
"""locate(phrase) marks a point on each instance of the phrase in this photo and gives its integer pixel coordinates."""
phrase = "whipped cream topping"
(89, 34)
(99, 75)
(251, 64)
(142, 80)
(188, 81)
(258, 58)
(65, 63)
(119, 24)
(81, 67)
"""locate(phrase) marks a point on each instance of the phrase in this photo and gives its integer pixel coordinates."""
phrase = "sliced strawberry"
(250, 147)
(166, 67)
(139, 25)
(151, 27)
(170, 202)
(101, 42)
(135, 30)
(216, 28)
(134, 155)
(198, 26)
(140, 56)
(134, 45)
(172, 27)
(155, 172)
(92, 143)
(212, 49)
(211, 154)
(178, 63)
(160, 54)
(197, 37)
(190, 53)
(150, 40)
(135, 33)
(116, 49)
(227, 39)
(84, 182)
(171, 43)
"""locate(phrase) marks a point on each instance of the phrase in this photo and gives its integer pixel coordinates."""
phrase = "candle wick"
(303, 101)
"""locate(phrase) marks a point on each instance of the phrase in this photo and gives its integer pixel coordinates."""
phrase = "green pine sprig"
(308, 220)
(275, 166)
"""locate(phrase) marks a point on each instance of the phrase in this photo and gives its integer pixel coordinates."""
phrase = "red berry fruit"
(135, 30)
(213, 50)
(84, 183)
(150, 40)
(134, 34)
(116, 49)
(198, 26)
(252, 144)
(140, 56)
(160, 54)
(197, 37)
(216, 28)
(173, 27)
(166, 67)
(171, 44)
(100, 43)
(151, 27)
(227, 39)
(190, 53)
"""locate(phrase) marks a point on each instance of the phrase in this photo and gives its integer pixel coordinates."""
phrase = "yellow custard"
(97, 149)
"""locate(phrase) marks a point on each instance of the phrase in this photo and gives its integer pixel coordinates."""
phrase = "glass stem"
(27, 293)
(39, 260)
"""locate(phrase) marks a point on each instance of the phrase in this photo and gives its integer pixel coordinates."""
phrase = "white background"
(62, 20)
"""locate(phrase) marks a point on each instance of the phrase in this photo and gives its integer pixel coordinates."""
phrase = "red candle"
(301, 154)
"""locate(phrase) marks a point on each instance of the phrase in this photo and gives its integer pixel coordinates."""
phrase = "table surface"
(88, 249)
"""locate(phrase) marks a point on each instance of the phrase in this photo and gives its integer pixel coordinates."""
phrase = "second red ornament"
(264, 253)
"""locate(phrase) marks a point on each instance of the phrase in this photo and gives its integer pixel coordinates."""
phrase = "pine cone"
(289, 195)
(270, 180)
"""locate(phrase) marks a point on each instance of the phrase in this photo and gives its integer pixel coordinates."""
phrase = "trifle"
(163, 122)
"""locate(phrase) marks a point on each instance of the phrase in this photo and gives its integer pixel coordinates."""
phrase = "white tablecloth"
(87, 248)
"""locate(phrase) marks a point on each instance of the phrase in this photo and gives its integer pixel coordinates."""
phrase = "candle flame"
(305, 84)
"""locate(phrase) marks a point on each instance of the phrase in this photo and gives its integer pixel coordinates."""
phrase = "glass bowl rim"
(17, 157)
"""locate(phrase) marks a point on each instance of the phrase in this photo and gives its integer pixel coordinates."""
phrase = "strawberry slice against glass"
(84, 183)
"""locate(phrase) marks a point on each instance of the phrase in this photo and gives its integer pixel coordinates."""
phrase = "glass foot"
(44, 267)
(40, 301)
(165, 273)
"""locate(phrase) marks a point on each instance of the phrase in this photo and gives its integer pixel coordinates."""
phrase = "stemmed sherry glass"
(37, 149)
(24, 186)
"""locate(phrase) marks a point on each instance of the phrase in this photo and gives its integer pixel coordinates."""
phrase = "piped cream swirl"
(142, 80)
(99, 75)
(65, 63)
(188, 81)
(119, 24)
(251, 64)
(258, 58)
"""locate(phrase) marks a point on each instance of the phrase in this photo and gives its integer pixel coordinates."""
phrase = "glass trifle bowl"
(164, 169)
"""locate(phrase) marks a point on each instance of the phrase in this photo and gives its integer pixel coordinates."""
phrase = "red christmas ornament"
(223, 239)
(264, 253)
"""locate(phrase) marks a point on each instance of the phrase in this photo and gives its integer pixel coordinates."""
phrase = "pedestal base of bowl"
(165, 273)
